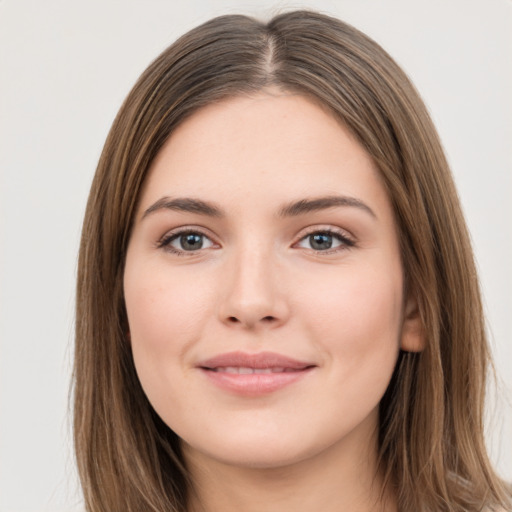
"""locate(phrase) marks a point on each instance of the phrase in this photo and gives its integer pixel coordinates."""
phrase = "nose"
(254, 297)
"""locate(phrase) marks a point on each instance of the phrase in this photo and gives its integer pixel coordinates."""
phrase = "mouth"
(254, 374)
(249, 371)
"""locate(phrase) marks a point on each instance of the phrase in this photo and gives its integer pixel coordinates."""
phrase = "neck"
(342, 477)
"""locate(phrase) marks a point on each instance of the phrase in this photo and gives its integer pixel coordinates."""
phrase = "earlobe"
(413, 332)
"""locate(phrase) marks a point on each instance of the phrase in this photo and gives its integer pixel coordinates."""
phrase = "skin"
(259, 283)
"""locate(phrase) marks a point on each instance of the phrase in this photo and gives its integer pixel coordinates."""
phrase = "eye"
(185, 242)
(326, 240)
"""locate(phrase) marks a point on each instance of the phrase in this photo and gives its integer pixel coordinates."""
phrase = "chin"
(256, 458)
(261, 449)
(258, 452)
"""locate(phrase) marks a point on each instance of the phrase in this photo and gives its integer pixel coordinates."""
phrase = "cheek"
(357, 318)
(166, 315)
(357, 327)
(162, 307)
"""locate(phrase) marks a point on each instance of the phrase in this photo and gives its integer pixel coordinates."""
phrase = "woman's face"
(264, 286)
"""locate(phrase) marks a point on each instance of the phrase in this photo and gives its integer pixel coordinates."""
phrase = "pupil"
(191, 241)
(321, 241)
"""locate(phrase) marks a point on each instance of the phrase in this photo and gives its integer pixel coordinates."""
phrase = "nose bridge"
(253, 295)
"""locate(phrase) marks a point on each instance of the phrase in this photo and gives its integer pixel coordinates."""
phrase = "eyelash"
(345, 241)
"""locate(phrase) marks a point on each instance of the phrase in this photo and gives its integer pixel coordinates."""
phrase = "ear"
(413, 333)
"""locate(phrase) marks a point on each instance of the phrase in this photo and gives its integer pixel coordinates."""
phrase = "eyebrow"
(322, 203)
(185, 204)
(293, 209)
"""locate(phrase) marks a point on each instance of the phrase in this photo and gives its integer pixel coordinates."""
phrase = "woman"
(277, 302)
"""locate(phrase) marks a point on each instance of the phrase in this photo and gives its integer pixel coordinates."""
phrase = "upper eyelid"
(186, 229)
(309, 229)
(326, 228)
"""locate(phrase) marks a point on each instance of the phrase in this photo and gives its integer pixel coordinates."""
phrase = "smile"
(248, 371)
(253, 374)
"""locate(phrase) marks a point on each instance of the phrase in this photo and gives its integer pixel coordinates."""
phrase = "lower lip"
(254, 384)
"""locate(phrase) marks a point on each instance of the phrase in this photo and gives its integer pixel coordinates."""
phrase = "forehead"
(265, 147)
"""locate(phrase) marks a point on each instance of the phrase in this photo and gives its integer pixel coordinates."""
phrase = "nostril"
(266, 319)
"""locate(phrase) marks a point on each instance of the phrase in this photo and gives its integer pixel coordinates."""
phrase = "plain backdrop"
(65, 67)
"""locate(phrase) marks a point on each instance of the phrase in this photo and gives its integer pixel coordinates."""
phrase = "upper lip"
(260, 360)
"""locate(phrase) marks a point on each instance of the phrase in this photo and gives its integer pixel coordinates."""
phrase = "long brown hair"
(431, 443)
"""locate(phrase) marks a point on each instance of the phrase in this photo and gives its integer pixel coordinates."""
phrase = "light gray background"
(65, 67)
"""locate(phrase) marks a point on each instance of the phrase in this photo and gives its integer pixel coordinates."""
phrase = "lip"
(254, 374)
